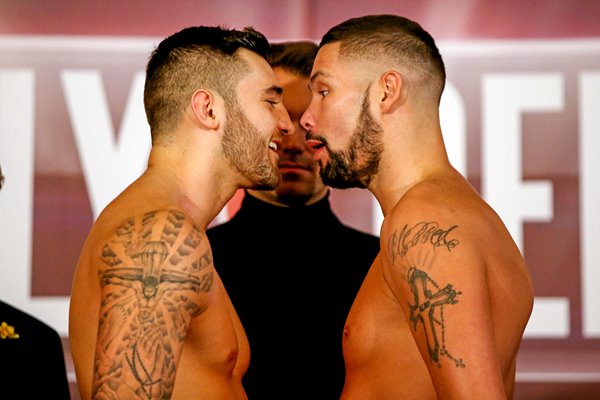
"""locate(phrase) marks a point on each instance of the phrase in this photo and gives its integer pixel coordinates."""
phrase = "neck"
(195, 182)
(412, 154)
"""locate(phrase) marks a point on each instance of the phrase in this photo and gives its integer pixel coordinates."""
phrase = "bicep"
(440, 281)
(156, 275)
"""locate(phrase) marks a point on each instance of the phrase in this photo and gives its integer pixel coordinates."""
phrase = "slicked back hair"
(295, 57)
(392, 37)
(193, 58)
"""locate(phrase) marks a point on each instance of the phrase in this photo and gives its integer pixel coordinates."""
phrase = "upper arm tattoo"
(422, 233)
(428, 300)
(428, 312)
(153, 279)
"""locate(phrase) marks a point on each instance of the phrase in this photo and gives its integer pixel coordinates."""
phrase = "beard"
(355, 166)
(247, 150)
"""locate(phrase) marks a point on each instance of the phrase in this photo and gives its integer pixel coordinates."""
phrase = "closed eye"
(272, 95)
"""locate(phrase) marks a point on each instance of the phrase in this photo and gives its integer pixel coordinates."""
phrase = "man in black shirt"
(292, 297)
(32, 363)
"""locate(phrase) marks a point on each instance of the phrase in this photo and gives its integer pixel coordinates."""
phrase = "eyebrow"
(317, 74)
(273, 90)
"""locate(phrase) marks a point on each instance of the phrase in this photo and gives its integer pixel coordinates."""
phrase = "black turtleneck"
(292, 274)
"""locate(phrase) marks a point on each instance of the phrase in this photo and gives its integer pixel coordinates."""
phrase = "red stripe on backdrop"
(476, 19)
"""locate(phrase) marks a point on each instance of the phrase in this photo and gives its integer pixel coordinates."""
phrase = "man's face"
(300, 182)
(255, 123)
(347, 140)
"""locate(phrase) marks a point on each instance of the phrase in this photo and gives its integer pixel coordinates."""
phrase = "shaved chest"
(376, 325)
(381, 357)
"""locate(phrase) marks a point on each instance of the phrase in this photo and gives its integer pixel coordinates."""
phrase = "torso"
(381, 355)
(215, 351)
(382, 360)
(315, 286)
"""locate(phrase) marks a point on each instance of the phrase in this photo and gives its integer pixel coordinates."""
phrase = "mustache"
(313, 136)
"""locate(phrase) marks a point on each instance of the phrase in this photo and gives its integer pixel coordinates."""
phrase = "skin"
(300, 183)
(443, 308)
(149, 316)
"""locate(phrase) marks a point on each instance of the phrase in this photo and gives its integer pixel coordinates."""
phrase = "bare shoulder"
(156, 274)
(447, 214)
(444, 230)
(170, 226)
(450, 261)
(163, 242)
(151, 249)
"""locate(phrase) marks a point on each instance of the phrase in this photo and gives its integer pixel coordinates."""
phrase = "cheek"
(338, 121)
(264, 120)
(337, 110)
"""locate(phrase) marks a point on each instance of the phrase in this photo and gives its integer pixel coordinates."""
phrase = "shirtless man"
(443, 308)
(149, 316)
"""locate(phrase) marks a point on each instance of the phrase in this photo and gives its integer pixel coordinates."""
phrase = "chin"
(295, 188)
(264, 186)
(268, 183)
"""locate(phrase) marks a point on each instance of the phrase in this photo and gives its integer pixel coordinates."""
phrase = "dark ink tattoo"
(150, 287)
(423, 232)
(424, 310)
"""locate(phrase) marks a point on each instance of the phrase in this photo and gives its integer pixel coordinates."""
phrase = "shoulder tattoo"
(155, 278)
(426, 233)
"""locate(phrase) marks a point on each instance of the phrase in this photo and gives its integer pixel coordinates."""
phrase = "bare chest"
(382, 359)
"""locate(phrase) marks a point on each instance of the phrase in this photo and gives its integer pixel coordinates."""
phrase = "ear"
(393, 91)
(205, 108)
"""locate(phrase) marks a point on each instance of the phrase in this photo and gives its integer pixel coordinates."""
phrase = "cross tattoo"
(424, 310)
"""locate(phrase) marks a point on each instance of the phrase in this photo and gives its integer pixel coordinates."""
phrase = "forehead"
(329, 67)
(327, 60)
(289, 79)
(295, 95)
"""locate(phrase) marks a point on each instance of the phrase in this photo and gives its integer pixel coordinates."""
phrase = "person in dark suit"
(291, 268)
(32, 362)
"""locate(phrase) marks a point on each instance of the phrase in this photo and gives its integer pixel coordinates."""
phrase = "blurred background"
(520, 115)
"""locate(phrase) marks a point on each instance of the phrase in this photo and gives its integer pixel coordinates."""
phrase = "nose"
(307, 120)
(285, 124)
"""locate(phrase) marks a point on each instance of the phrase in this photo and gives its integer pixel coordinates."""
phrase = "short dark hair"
(295, 57)
(195, 57)
(398, 38)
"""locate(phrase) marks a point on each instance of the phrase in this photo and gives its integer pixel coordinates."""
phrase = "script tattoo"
(151, 286)
(424, 312)
(423, 232)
